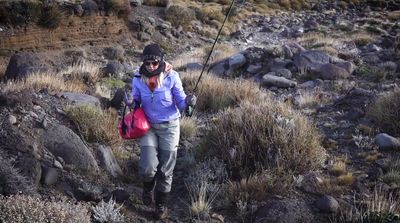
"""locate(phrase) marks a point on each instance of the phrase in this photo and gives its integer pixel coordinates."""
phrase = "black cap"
(152, 52)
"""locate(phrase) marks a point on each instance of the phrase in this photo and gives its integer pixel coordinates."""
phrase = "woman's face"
(151, 65)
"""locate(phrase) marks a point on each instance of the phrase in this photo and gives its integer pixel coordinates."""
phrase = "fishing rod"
(189, 111)
(213, 46)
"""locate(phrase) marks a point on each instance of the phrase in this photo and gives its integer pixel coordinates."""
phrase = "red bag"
(133, 125)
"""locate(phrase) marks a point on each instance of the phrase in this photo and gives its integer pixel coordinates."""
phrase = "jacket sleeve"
(178, 93)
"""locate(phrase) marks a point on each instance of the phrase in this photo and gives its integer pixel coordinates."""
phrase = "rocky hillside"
(297, 120)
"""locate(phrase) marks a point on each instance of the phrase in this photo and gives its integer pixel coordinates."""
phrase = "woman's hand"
(191, 100)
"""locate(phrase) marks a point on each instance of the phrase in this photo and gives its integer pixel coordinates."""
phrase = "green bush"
(21, 209)
(385, 112)
(257, 137)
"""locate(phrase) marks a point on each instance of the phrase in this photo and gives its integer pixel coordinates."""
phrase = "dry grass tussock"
(312, 98)
(72, 79)
(267, 135)
(94, 124)
(214, 94)
(381, 206)
(385, 111)
(3, 68)
(204, 184)
(362, 39)
(38, 81)
(21, 209)
(220, 52)
(253, 188)
(315, 39)
(188, 127)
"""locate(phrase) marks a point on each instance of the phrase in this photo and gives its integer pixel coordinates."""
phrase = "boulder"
(327, 204)
(90, 7)
(236, 61)
(108, 161)
(114, 68)
(386, 142)
(79, 99)
(271, 80)
(63, 142)
(330, 71)
(23, 64)
(49, 176)
(284, 211)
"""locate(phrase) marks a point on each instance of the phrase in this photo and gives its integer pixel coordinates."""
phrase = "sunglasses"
(148, 63)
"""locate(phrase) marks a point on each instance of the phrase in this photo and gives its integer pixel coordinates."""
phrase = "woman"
(158, 89)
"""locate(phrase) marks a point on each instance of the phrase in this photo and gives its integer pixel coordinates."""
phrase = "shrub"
(11, 180)
(188, 127)
(385, 111)
(94, 124)
(179, 16)
(204, 184)
(253, 138)
(21, 209)
(159, 3)
(214, 93)
(120, 7)
(107, 212)
(50, 17)
(19, 12)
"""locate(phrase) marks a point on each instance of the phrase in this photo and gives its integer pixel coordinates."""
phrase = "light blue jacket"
(165, 102)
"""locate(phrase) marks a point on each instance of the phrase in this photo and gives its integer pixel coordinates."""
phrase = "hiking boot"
(147, 195)
(161, 210)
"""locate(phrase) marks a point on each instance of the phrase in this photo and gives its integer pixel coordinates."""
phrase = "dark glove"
(191, 100)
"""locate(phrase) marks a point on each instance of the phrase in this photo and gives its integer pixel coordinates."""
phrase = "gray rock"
(114, 68)
(90, 7)
(253, 68)
(12, 119)
(79, 99)
(307, 85)
(284, 211)
(373, 48)
(62, 141)
(386, 142)
(58, 164)
(349, 66)
(330, 72)
(284, 73)
(23, 64)
(78, 9)
(327, 204)
(49, 176)
(108, 161)
(194, 66)
(219, 69)
(136, 2)
(236, 61)
(270, 80)
(287, 52)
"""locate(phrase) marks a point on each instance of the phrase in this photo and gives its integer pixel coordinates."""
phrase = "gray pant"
(158, 150)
